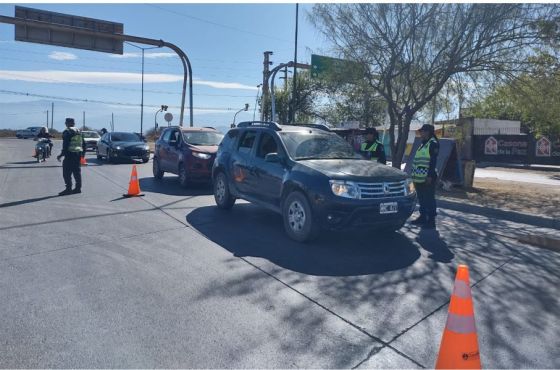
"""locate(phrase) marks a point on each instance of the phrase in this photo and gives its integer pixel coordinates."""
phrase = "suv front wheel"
(222, 196)
(298, 218)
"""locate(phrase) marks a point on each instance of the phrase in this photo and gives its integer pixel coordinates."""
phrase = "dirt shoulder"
(540, 200)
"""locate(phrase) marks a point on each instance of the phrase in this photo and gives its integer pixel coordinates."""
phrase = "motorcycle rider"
(73, 147)
(44, 134)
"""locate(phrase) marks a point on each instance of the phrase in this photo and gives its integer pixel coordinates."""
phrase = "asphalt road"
(166, 280)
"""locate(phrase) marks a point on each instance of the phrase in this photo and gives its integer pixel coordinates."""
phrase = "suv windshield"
(315, 145)
(203, 138)
(90, 134)
(124, 136)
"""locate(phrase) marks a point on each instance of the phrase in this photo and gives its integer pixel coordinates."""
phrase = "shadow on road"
(170, 186)
(23, 167)
(431, 241)
(25, 201)
(249, 231)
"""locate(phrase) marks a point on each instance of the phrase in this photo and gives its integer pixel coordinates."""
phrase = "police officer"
(424, 176)
(73, 147)
(372, 148)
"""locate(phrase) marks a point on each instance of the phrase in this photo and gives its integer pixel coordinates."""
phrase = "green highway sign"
(322, 65)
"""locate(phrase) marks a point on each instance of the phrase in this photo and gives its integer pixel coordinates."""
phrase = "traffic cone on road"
(459, 343)
(134, 185)
(83, 161)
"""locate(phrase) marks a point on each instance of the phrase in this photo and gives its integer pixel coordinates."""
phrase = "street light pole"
(245, 108)
(256, 101)
(142, 98)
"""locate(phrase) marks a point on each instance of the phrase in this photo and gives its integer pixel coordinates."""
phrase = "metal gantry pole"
(142, 101)
(120, 37)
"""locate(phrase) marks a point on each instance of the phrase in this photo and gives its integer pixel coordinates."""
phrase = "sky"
(224, 43)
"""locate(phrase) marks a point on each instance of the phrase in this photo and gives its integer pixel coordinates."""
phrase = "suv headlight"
(118, 148)
(201, 155)
(409, 187)
(346, 189)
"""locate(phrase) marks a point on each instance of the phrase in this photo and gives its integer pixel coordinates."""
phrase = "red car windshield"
(203, 138)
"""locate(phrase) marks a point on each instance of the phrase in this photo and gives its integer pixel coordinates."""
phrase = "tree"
(308, 94)
(410, 51)
(532, 98)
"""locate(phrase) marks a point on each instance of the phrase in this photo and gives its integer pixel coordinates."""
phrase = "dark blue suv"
(312, 177)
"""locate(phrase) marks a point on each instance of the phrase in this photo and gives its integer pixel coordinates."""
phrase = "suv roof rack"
(273, 125)
(310, 125)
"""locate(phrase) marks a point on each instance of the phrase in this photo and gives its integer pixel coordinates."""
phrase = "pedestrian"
(372, 148)
(424, 176)
(103, 131)
(73, 148)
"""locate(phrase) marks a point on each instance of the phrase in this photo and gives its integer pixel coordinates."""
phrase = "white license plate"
(385, 208)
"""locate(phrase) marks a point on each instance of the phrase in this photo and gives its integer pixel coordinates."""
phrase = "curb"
(513, 216)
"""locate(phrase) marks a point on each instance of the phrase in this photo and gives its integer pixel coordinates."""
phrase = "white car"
(30, 132)
(91, 138)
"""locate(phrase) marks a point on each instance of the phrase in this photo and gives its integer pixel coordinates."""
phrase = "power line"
(216, 24)
(83, 100)
(174, 65)
(95, 86)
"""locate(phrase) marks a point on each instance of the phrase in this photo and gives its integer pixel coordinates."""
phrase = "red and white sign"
(491, 146)
(543, 147)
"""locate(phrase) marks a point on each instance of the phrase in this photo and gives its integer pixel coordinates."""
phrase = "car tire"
(156, 169)
(222, 195)
(183, 178)
(297, 214)
(100, 157)
(109, 156)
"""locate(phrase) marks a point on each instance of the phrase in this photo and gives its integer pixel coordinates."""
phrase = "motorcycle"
(42, 149)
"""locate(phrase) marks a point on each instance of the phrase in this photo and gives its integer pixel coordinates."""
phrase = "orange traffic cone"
(134, 185)
(83, 161)
(459, 343)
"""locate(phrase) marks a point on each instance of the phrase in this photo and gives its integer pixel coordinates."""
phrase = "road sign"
(322, 66)
(68, 38)
(168, 117)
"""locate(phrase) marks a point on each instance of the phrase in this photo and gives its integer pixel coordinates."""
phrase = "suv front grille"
(377, 190)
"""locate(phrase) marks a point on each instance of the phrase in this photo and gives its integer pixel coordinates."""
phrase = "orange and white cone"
(134, 185)
(83, 161)
(459, 343)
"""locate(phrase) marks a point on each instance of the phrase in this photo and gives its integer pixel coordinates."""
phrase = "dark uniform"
(73, 147)
(424, 176)
(373, 149)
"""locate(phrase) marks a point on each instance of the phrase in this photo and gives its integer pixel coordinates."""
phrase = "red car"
(187, 152)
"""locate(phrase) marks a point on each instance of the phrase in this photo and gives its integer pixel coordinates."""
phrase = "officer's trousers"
(426, 198)
(71, 166)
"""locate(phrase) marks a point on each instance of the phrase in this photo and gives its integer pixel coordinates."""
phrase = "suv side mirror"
(273, 158)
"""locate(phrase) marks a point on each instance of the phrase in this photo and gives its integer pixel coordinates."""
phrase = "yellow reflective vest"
(421, 162)
(75, 145)
(372, 149)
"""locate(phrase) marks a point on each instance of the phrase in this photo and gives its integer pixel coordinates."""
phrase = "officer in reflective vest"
(424, 176)
(372, 148)
(73, 147)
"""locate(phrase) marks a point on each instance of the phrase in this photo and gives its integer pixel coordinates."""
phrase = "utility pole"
(264, 95)
(285, 78)
(84, 121)
(294, 100)
(112, 122)
(47, 118)
(52, 115)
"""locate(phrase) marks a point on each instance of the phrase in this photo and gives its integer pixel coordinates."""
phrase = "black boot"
(420, 220)
(65, 192)
(76, 191)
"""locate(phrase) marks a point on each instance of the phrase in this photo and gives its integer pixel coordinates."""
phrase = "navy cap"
(426, 127)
